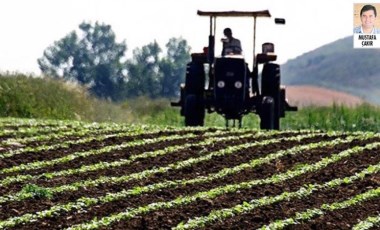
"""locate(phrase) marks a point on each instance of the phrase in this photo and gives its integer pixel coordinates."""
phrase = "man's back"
(231, 45)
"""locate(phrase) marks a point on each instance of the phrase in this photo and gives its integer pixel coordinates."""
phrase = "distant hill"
(306, 95)
(337, 66)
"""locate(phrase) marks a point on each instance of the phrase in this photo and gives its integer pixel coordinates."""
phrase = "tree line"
(93, 57)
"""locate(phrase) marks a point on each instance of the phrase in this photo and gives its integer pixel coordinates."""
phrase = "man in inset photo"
(368, 16)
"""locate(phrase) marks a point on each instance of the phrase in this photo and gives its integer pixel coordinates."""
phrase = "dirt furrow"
(202, 207)
(92, 145)
(172, 217)
(33, 205)
(343, 218)
(282, 210)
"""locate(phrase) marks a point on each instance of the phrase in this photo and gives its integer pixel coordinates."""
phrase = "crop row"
(232, 188)
(181, 164)
(90, 137)
(209, 194)
(41, 164)
(370, 222)
(90, 176)
(79, 132)
(146, 173)
(219, 215)
(102, 165)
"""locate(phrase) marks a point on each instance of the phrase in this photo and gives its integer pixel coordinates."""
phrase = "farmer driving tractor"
(231, 45)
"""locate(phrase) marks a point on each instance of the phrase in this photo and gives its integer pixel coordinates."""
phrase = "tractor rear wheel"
(270, 87)
(194, 110)
(195, 78)
(193, 107)
(267, 116)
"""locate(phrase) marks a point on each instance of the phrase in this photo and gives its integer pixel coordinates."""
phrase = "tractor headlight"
(221, 84)
(267, 48)
(238, 85)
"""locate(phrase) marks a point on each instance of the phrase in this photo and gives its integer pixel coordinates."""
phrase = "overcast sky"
(28, 27)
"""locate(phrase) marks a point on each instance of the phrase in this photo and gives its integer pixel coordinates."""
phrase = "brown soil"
(318, 96)
(167, 218)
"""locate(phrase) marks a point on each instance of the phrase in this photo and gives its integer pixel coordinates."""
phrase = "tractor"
(225, 85)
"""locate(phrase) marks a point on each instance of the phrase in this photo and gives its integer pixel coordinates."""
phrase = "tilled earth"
(161, 167)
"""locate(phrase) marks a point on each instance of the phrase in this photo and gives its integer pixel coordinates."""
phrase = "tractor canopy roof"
(263, 13)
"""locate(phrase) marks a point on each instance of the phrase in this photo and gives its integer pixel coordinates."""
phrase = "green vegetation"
(172, 178)
(31, 97)
(365, 117)
(32, 190)
(34, 97)
(221, 214)
(94, 59)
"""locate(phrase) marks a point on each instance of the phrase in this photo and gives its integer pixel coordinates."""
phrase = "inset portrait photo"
(366, 25)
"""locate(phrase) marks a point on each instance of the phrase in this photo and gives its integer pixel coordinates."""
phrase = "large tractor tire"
(194, 110)
(282, 102)
(193, 107)
(267, 116)
(270, 87)
(195, 78)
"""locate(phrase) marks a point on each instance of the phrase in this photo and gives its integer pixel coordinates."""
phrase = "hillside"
(337, 66)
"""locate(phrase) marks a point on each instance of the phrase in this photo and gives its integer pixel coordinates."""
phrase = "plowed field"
(73, 175)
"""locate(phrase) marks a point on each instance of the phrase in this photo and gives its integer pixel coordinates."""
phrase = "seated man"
(231, 45)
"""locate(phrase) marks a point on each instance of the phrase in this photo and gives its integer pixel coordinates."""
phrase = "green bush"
(35, 97)
(26, 96)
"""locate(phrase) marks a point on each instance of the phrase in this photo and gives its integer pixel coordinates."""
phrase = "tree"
(93, 58)
(144, 75)
(173, 66)
(155, 76)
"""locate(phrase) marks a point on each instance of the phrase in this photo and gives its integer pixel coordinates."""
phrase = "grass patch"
(31, 97)
(364, 117)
